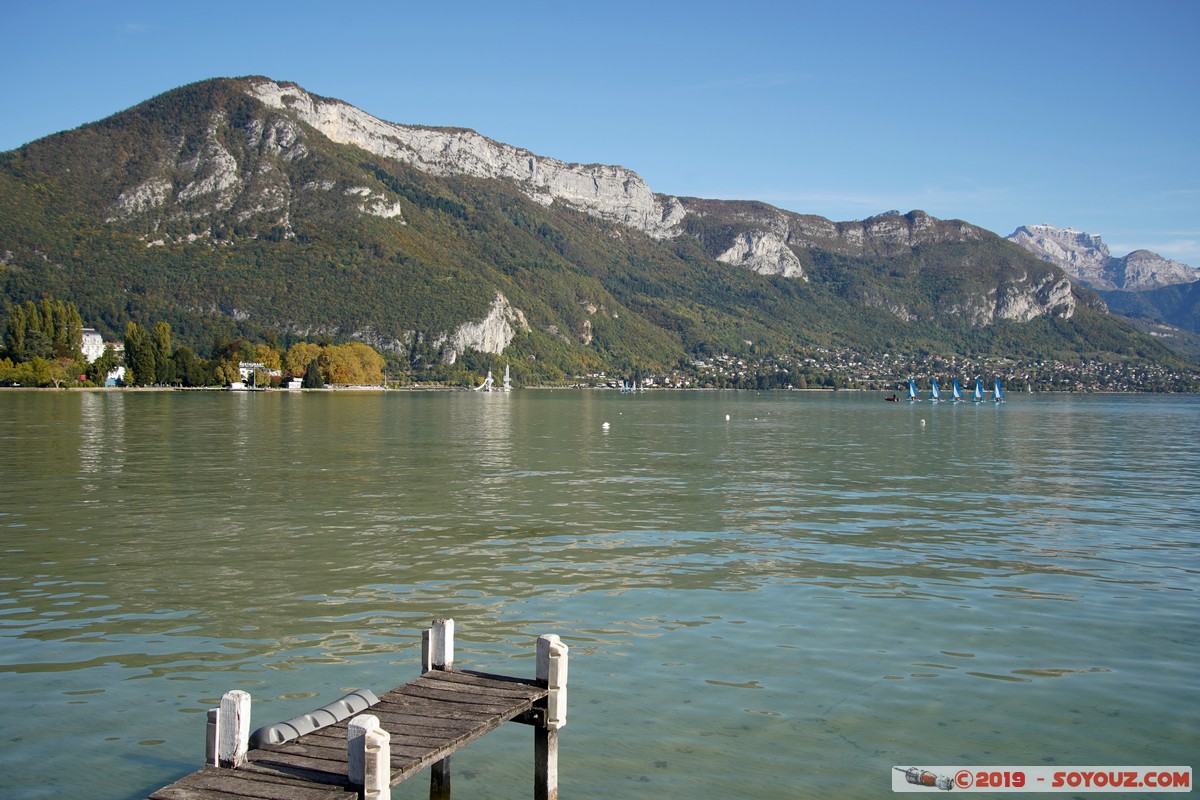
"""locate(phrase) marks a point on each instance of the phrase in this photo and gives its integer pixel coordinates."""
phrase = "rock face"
(489, 335)
(199, 179)
(1031, 297)
(613, 193)
(1085, 257)
(1143, 269)
(764, 252)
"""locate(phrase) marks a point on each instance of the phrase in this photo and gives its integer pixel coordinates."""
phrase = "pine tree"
(312, 376)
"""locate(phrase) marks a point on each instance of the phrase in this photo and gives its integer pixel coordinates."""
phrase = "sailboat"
(507, 381)
(997, 392)
(934, 394)
(955, 392)
(977, 395)
(912, 391)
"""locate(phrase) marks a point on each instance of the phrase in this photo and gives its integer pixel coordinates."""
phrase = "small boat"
(892, 399)
(956, 392)
(912, 391)
(934, 394)
(977, 396)
(997, 392)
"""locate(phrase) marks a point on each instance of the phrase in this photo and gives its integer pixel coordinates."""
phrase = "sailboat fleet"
(956, 395)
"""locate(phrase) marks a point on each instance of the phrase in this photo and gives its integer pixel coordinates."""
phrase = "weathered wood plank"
(464, 699)
(499, 684)
(211, 783)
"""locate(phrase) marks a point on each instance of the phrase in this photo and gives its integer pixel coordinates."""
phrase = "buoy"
(922, 423)
(605, 426)
(727, 418)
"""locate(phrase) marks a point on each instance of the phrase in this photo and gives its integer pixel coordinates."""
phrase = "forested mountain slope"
(250, 207)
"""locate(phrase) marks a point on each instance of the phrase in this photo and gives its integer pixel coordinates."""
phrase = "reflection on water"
(752, 585)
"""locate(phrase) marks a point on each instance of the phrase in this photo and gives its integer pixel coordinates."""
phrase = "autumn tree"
(299, 356)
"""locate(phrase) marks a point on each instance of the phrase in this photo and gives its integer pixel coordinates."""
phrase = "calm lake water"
(765, 595)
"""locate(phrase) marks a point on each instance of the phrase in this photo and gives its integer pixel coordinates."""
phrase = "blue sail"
(934, 394)
(978, 396)
(912, 390)
(997, 392)
(955, 392)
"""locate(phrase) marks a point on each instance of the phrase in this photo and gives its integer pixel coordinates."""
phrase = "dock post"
(552, 672)
(229, 730)
(441, 644)
(439, 780)
(369, 757)
(210, 737)
(437, 652)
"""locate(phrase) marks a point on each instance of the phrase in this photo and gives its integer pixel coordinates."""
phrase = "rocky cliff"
(612, 193)
(1085, 257)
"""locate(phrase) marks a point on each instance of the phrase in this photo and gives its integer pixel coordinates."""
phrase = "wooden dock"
(414, 726)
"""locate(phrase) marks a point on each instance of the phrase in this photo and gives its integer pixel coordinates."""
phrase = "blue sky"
(1080, 114)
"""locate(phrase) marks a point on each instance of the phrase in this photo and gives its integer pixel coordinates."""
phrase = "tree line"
(42, 347)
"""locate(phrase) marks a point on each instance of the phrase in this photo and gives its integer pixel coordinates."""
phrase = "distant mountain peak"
(1085, 257)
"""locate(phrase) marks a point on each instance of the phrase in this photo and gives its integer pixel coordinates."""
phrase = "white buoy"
(922, 423)
(605, 426)
(727, 418)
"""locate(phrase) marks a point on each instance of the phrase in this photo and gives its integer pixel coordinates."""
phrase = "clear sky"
(998, 112)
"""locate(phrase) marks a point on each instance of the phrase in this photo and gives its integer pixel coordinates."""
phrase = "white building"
(92, 345)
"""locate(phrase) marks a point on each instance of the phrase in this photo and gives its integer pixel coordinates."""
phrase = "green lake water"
(765, 595)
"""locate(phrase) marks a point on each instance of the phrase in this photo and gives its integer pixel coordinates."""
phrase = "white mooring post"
(369, 757)
(552, 671)
(228, 737)
(441, 644)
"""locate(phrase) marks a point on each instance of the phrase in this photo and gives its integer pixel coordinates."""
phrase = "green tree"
(139, 356)
(190, 370)
(312, 376)
(14, 333)
(37, 345)
(164, 367)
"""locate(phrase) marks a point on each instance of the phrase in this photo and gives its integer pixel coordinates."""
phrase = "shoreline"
(430, 389)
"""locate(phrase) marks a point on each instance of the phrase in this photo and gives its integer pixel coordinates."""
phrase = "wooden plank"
(211, 783)
(502, 683)
(409, 738)
(421, 707)
(458, 698)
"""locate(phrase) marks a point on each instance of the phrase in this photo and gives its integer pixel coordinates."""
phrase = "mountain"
(251, 207)
(1142, 284)
(1084, 256)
